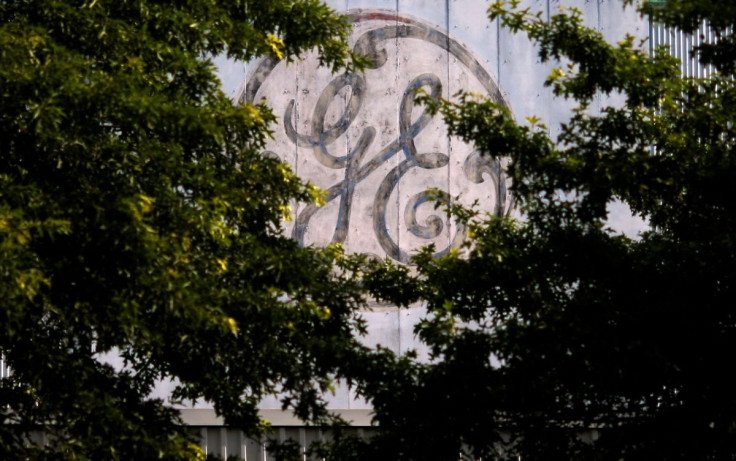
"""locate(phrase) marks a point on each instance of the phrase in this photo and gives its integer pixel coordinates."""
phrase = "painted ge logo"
(362, 138)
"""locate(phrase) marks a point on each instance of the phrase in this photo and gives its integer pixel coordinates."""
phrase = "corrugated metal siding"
(681, 44)
(4, 370)
(223, 443)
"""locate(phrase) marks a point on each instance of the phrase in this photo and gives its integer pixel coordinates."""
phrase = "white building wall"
(453, 41)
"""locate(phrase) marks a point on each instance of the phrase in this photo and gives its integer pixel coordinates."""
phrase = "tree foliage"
(137, 217)
(553, 336)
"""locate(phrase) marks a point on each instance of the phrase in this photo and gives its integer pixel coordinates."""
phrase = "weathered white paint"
(512, 62)
(364, 140)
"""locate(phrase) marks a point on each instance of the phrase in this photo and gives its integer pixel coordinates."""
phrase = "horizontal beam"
(208, 417)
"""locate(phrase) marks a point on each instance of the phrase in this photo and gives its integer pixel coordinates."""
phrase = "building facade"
(364, 140)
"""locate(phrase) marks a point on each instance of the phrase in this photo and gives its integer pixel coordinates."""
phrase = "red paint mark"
(379, 15)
